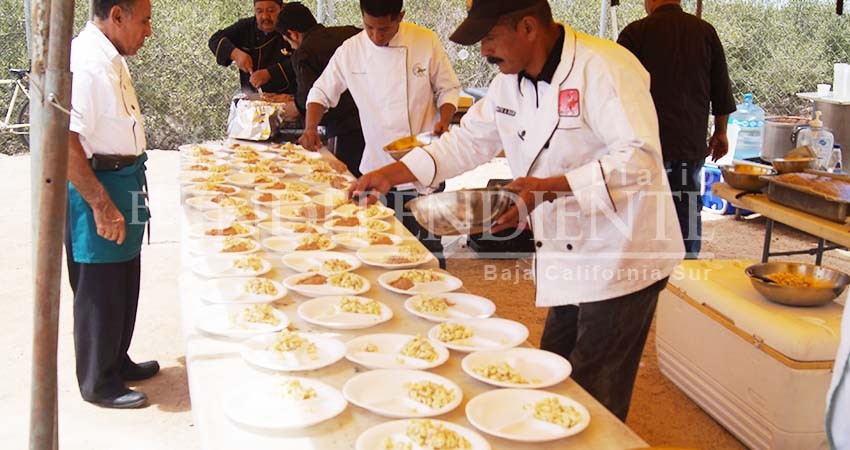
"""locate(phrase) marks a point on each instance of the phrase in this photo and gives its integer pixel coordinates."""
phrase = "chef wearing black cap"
(575, 118)
(260, 52)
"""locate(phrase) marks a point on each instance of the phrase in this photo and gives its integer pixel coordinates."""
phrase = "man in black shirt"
(259, 51)
(686, 63)
(314, 45)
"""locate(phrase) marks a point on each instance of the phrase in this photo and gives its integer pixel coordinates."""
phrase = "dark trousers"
(685, 184)
(348, 148)
(106, 297)
(604, 341)
(396, 200)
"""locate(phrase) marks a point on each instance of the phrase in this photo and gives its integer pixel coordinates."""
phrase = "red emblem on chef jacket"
(568, 103)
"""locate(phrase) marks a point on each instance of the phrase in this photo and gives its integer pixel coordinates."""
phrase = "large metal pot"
(778, 136)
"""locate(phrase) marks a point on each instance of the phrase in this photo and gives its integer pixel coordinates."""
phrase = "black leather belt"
(111, 162)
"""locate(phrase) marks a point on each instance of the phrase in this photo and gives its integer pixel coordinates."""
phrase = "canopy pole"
(603, 17)
(50, 85)
(699, 9)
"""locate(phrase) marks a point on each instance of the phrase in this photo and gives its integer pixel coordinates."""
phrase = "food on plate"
(236, 245)
(301, 228)
(427, 434)
(214, 178)
(432, 305)
(419, 348)
(290, 341)
(430, 394)
(319, 165)
(225, 200)
(262, 178)
(355, 306)
(246, 212)
(251, 263)
(266, 197)
(551, 410)
(293, 389)
(410, 278)
(204, 160)
(789, 279)
(311, 211)
(370, 347)
(290, 196)
(313, 280)
(503, 372)
(376, 225)
(212, 187)
(449, 332)
(255, 169)
(347, 222)
(406, 254)
(232, 230)
(260, 314)
(197, 150)
(346, 280)
(198, 168)
(221, 168)
(373, 211)
(332, 265)
(376, 238)
(246, 154)
(277, 186)
(313, 242)
(260, 286)
(329, 178)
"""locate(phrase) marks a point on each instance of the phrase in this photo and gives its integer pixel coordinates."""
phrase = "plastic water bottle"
(820, 139)
(745, 130)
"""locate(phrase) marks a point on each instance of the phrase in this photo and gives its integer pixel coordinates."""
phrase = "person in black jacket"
(259, 51)
(689, 78)
(314, 45)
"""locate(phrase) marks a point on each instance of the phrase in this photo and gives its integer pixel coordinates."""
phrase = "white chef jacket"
(838, 399)
(397, 88)
(105, 110)
(596, 125)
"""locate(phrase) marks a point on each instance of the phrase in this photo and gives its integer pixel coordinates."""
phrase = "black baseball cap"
(482, 15)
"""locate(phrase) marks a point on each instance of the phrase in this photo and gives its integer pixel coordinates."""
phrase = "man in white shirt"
(106, 207)
(575, 118)
(403, 84)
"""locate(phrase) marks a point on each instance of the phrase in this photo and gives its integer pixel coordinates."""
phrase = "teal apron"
(126, 189)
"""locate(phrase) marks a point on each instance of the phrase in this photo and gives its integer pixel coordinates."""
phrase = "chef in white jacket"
(578, 126)
(838, 400)
(403, 84)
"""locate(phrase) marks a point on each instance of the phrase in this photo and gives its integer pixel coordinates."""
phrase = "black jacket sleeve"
(722, 101)
(224, 41)
(306, 73)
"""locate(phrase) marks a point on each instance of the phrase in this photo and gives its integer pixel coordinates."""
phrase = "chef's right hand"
(370, 188)
(110, 222)
(243, 60)
(310, 140)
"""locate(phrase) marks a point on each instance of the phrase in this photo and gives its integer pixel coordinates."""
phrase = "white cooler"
(759, 368)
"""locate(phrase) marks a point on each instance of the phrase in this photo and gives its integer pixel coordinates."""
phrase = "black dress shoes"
(126, 400)
(140, 371)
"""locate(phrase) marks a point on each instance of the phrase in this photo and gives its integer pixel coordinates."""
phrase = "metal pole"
(50, 166)
(603, 17)
(699, 9)
(28, 24)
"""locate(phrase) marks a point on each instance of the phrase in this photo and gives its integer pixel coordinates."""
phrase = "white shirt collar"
(101, 41)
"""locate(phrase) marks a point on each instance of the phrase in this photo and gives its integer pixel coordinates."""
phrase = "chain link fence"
(774, 49)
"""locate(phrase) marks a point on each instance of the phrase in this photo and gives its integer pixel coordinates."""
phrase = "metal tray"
(804, 200)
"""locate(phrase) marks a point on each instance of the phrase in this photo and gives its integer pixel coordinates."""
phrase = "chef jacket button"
(133, 107)
(569, 246)
(539, 244)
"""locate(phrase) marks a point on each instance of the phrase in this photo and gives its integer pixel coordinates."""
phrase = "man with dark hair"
(687, 65)
(403, 84)
(575, 118)
(314, 44)
(259, 51)
(106, 208)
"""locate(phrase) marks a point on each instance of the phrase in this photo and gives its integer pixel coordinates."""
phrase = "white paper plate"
(187, 163)
(215, 246)
(190, 178)
(322, 290)
(199, 230)
(356, 241)
(509, 414)
(261, 405)
(311, 261)
(271, 171)
(382, 213)
(384, 393)
(297, 199)
(227, 215)
(344, 177)
(290, 213)
(461, 307)
(488, 334)
(376, 437)
(373, 225)
(246, 180)
(287, 244)
(257, 352)
(388, 354)
(447, 284)
(324, 311)
(226, 291)
(194, 189)
(205, 203)
(331, 198)
(376, 255)
(289, 186)
(219, 320)
(222, 267)
(232, 146)
(540, 367)
(279, 228)
(212, 146)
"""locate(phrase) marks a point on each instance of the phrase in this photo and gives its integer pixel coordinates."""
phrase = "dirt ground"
(661, 414)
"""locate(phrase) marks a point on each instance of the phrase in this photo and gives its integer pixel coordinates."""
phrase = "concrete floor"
(167, 422)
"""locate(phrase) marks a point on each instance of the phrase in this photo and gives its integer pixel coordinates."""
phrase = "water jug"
(745, 130)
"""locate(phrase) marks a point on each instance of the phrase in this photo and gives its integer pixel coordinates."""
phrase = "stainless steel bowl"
(400, 147)
(827, 284)
(467, 211)
(788, 165)
(746, 176)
